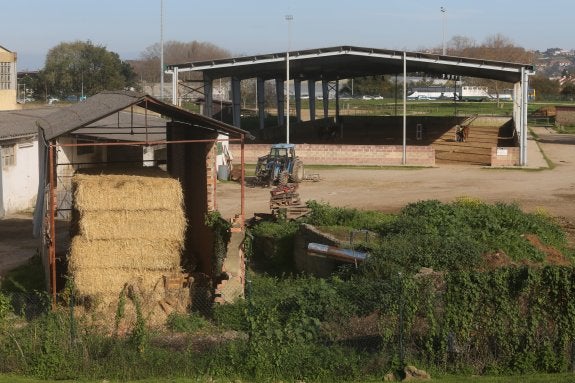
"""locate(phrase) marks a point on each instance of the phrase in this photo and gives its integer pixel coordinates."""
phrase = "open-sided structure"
(71, 137)
(329, 65)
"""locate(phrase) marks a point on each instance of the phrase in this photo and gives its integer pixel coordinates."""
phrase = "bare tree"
(175, 52)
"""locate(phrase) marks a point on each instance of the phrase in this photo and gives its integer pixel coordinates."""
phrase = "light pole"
(443, 10)
(289, 18)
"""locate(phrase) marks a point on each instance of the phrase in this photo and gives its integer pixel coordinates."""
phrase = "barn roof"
(21, 123)
(348, 61)
(123, 126)
(104, 104)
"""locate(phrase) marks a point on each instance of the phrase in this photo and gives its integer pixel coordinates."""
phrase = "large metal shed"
(329, 65)
(190, 140)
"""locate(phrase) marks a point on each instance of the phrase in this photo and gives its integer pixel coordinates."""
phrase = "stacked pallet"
(129, 230)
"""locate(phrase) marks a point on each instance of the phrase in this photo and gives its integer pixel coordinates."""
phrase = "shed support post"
(524, 102)
(236, 102)
(208, 96)
(311, 94)
(175, 80)
(280, 101)
(404, 152)
(325, 93)
(52, 226)
(297, 94)
(261, 100)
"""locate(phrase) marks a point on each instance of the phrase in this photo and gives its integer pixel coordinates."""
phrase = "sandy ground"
(538, 188)
(534, 189)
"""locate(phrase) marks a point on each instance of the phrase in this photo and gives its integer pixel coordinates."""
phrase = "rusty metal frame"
(52, 197)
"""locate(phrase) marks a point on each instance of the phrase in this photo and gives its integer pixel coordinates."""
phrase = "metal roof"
(21, 122)
(348, 61)
(104, 104)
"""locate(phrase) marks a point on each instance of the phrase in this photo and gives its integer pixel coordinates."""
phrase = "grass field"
(547, 378)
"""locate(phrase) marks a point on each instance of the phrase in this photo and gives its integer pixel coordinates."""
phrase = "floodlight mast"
(443, 11)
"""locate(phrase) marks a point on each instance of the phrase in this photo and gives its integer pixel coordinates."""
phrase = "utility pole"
(289, 18)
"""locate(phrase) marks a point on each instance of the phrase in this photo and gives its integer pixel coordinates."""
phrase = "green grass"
(538, 378)
(543, 378)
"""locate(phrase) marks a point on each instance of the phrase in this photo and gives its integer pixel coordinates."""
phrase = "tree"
(175, 52)
(496, 48)
(568, 90)
(373, 85)
(75, 68)
(544, 87)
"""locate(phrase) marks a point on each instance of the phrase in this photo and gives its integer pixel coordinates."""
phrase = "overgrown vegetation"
(464, 288)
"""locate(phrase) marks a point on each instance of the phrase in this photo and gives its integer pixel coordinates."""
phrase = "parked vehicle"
(280, 166)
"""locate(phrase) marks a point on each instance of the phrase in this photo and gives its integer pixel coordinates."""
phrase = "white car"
(52, 100)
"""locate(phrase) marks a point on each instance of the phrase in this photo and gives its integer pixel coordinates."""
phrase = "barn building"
(94, 134)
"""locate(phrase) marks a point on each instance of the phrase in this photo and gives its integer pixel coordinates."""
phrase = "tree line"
(82, 68)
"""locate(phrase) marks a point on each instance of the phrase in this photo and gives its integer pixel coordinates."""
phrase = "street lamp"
(443, 10)
(289, 18)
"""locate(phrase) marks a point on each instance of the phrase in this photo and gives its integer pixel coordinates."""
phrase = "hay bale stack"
(129, 232)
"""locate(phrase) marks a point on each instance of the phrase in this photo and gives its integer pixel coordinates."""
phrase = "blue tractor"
(280, 166)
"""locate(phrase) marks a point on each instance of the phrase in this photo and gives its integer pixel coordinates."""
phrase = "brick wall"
(565, 115)
(505, 156)
(322, 154)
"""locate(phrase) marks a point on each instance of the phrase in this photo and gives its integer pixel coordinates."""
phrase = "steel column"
(524, 103)
(325, 94)
(280, 100)
(261, 97)
(311, 95)
(297, 94)
(404, 153)
(236, 101)
(175, 80)
(208, 96)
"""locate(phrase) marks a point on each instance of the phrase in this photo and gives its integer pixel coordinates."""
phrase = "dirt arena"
(550, 190)
(537, 188)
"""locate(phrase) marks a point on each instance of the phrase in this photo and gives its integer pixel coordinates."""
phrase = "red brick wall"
(565, 115)
(320, 154)
(505, 156)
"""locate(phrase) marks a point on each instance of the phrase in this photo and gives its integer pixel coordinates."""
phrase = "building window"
(5, 75)
(8, 154)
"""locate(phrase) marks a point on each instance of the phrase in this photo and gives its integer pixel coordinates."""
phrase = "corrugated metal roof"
(69, 119)
(349, 61)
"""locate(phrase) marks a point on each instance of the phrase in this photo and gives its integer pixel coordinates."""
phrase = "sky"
(249, 27)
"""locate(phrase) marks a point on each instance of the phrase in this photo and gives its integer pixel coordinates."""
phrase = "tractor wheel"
(298, 172)
(283, 178)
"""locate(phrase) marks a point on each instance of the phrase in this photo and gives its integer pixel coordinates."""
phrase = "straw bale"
(123, 224)
(97, 282)
(138, 254)
(141, 189)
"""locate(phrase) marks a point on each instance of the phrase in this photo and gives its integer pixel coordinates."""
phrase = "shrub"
(179, 322)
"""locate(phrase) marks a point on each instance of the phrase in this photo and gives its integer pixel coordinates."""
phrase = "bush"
(191, 323)
(272, 249)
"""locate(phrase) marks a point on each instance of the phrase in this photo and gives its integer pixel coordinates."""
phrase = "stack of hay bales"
(128, 233)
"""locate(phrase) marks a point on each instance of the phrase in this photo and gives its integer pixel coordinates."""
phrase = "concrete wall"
(8, 96)
(505, 156)
(20, 181)
(325, 154)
